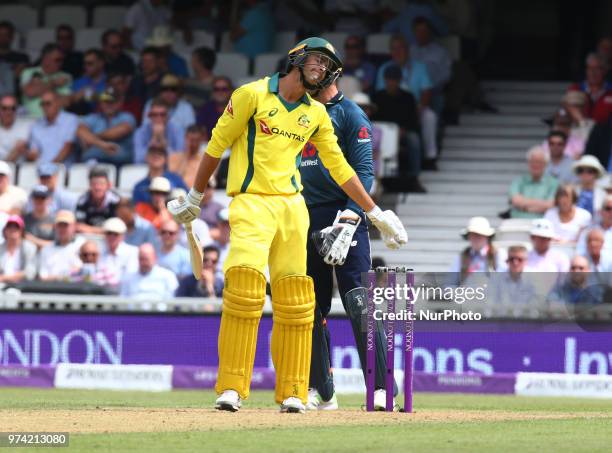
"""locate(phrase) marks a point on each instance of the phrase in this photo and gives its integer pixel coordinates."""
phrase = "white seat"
(108, 16)
(284, 41)
(89, 38)
(73, 15)
(78, 176)
(36, 38)
(378, 43)
(336, 38)
(201, 38)
(23, 17)
(129, 175)
(349, 85)
(389, 147)
(232, 65)
(28, 175)
(452, 43)
(226, 44)
(266, 63)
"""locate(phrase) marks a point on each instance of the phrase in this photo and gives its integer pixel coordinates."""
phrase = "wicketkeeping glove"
(333, 242)
(390, 227)
(185, 210)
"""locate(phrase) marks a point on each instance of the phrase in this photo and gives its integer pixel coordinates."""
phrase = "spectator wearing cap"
(186, 163)
(139, 230)
(115, 58)
(118, 256)
(48, 174)
(156, 159)
(567, 219)
(198, 88)
(480, 255)
(559, 164)
(543, 258)
(155, 210)
(53, 136)
(223, 238)
(210, 208)
(98, 204)
(141, 19)
(180, 111)
(532, 194)
(39, 221)
(59, 259)
(163, 40)
(589, 170)
(73, 59)
(91, 270)
(86, 89)
(145, 84)
(577, 287)
(106, 136)
(416, 80)
(171, 255)
(14, 131)
(47, 77)
(209, 113)
(210, 283)
(355, 63)
(599, 92)
(604, 223)
(17, 255)
(120, 83)
(150, 281)
(12, 198)
(513, 286)
(399, 106)
(158, 131)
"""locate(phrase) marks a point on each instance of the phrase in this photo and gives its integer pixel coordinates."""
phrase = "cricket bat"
(195, 252)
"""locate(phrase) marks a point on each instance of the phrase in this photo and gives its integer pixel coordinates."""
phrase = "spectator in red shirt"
(598, 90)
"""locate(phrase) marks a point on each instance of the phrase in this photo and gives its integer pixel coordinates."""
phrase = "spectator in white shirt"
(150, 281)
(17, 255)
(542, 258)
(605, 224)
(59, 260)
(12, 198)
(568, 220)
(122, 258)
(14, 132)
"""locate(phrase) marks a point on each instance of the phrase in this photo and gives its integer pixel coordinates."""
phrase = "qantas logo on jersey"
(276, 131)
(363, 136)
(230, 108)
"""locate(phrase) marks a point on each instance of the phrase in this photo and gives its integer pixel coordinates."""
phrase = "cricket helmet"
(309, 46)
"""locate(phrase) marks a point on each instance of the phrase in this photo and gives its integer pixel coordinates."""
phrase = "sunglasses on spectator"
(157, 192)
(157, 114)
(556, 143)
(9, 108)
(221, 88)
(168, 232)
(90, 62)
(46, 103)
(607, 208)
(577, 268)
(88, 254)
(110, 233)
(515, 258)
(589, 170)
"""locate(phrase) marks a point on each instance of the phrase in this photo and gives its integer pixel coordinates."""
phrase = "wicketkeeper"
(340, 243)
(266, 124)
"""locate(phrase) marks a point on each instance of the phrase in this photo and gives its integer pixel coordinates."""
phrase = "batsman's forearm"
(358, 194)
(207, 167)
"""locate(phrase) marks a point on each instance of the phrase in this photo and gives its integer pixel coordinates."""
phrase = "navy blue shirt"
(354, 132)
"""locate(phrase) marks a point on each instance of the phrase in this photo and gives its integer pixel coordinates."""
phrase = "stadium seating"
(73, 15)
(233, 65)
(226, 44)
(36, 38)
(23, 17)
(349, 85)
(389, 147)
(88, 38)
(266, 64)
(78, 178)
(378, 43)
(452, 43)
(108, 16)
(27, 176)
(129, 176)
(200, 38)
(336, 38)
(284, 41)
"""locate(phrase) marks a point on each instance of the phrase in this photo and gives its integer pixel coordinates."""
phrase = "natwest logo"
(363, 136)
(230, 108)
(264, 127)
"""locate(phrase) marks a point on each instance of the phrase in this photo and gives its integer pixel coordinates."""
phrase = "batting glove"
(333, 242)
(185, 210)
(391, 229)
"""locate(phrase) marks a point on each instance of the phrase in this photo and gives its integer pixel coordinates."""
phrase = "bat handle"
(188, 224)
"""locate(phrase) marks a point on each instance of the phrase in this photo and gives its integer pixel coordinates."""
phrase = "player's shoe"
(380, 401)
(315, 402)
(293, 405)
(228, 401)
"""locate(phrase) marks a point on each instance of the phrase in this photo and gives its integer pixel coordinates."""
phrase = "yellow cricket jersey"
(267, 134)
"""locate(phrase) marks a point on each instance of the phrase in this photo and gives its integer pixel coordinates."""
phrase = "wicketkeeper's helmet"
(298, 55)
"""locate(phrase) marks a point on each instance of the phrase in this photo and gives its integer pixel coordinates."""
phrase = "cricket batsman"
(266, 124)
(341, 244)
